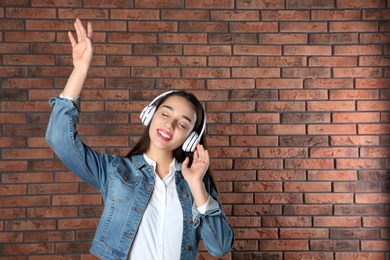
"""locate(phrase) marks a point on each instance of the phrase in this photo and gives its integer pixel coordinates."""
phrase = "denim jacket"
(126, 186)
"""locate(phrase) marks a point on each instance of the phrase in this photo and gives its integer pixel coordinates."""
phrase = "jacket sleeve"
(62, 137)
(216, 233)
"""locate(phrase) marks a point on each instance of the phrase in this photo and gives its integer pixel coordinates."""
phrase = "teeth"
(164, 135)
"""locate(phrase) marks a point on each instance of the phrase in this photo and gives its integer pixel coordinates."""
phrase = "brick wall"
(297, 94)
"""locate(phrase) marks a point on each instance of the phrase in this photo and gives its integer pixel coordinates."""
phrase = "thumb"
(185, 163)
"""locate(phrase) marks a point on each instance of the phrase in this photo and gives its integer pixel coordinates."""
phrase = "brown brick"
(371, 4)
(376, 245)
(284, 15)
(335, 14)
(236, 61)
(308, 163)
(372, 198)
(13, 48)
(208, 27)
(281, 175)
(280, 106)
(333, 152)
(27, 153)
(49, 236)
(256, 118)
(305, 94)
(85, 13)
(372, 106)
(20, 12)
(258, 187)
(77, 223)
(278, 83)
(375, 152)
(183, 14)
(357, 187)
(303, 140)
(255, 72)
(256, 50)
(259, 233)
(375, 221)
(281, 129)
(358, 163)
(257, 209)
(358, 210)
(253, 26)
(355, 117)
(359, 255)
(357, 49)
(12, 213)
(374, 38)
(304, 233)
(281, 61)
(27, 249)
(378, 14)
(327, 175)
(303, 27)
(308, 255)
(76, 199)
(283, 38)
(282, 152)
(332, 129)
(236, 15)
(286, 221)
(305, 117)
(278, 198)
(232, 38)
(311, 4)
(253, 140)
(12, 166)
(334, 245)
(332, 61)
(75, 247)
(334, 198)
(311, 210)
(258, 164)
(160, 4)
(237, 198)
(281, 245)
(260, 4)
(353, 26)
(52, 212)
(307, 187)
(333, 38)
(12, 189)
(230, 83)
(354, 140)
(380, 61)
(206, 50)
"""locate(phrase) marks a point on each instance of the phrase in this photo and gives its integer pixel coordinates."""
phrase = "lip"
(163, 137)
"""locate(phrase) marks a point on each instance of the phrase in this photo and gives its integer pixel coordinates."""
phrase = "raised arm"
(82, 52)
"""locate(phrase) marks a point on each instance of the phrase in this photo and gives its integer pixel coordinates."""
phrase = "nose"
(170, 124)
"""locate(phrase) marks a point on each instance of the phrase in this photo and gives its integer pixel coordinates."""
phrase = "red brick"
(255, 72)
(374, 38)
(49, 236)
(310, 210)
(282, 152)
(256, 118)
(27, 153)
(182, 14)
(13, 48)
(12, 166)
(230, 83)
(331, 106)
(359, 256)
(12, 213)
(260, 4)
(335, 14)
(278, 198)
(308, 163)
(334, 38)
(357, 72)
(282, 129)
(353, 26)
(357, 49)
(328, 83)
(277, 61)
(307, 187)
(372, 106)
(307, 50)
(232, 38)
(358, 210)
(11, 118)
(253, 141)
(381, 198)
(210, 4)
(207, 50)
(281, 245)
(258, 164)
(283, 38)
(334, 198)
(308, 255)
(332, 129)
(27, 249)
(15, 25)
(358, 163)
(286, 221)
(76, 200)
(12, 189)
(303, 27)
(85, 13)
(374, 61)
(77, 223)
(237, 198)
(378, 14)
(253, 27)
(209, 27)
(375, 245)
(18, 12)
(355, 117)
(259, 233)
(357, 187)
(155, 72)
(236, 61)
(258, 187)
(284, 15)
(256, 50)
(281, 175)
(373, 129)
(332, 61)
(124, 37)
(11, 237)
(304, 233)
(332, 175)
(306, 94)
(334, 245)
(309, 4)
(236, 15)
(376, 221)
(370, 4)
(52, 212)
(375, 152)
(303, 140)
(281, 106)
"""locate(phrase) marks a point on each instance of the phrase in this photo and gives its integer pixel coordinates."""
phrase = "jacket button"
(125, 177)
(185, 195)
(188, 248)
(129, 235)
(138, 209)
(190, 220)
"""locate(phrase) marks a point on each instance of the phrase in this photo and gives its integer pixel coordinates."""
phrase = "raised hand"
(199, 166)
(82, 50)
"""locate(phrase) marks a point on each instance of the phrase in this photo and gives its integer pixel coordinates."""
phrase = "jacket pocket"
(122, 184)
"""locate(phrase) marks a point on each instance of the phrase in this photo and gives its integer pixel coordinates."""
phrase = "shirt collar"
(173, 167)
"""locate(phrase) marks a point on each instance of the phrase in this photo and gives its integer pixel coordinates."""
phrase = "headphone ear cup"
(191, 142)
(147, 114)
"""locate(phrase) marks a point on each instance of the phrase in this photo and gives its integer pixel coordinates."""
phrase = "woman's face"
(172, 123)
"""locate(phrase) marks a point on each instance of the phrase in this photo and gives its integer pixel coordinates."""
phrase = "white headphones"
(192, 140)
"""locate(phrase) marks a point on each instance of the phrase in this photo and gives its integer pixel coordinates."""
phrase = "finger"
(90, 30)
(78, 33)
(72, 39)
(81, 27)
(184, 164)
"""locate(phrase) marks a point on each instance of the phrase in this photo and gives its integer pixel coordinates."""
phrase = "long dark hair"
(143, 143)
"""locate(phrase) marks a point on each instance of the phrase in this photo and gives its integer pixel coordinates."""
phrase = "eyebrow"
(184, 116)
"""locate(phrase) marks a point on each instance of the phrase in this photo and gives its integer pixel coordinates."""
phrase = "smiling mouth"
(164, 135)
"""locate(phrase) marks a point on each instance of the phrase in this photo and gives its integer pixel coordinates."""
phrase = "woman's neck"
(163, 160)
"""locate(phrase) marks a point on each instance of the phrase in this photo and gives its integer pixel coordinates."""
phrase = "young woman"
(160, 199)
